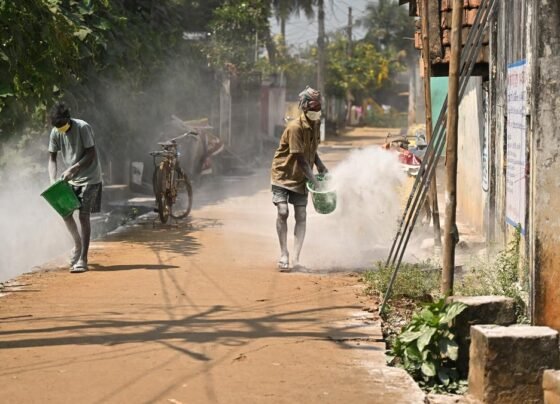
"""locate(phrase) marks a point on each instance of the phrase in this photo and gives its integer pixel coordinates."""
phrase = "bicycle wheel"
(160, 192)
(182, 203)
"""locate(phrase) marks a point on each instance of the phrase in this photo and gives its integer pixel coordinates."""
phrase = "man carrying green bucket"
(292, 167)
(74, 139)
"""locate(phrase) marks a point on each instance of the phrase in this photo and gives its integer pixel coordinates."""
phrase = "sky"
(301, 31)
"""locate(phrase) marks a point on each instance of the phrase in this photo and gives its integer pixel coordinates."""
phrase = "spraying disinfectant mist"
(368, 197)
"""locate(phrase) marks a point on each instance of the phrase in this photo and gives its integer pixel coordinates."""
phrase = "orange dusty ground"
(196, 312)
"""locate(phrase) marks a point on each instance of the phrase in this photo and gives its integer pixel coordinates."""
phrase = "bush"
(380, 119)
(504, 275)
(427, 349)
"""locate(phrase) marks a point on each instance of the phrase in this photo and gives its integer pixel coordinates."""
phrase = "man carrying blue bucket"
(74, 139)
(292, 167)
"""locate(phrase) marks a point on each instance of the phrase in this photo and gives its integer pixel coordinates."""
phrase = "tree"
(237, 27)
(388, 26)
(283, 9)
(122, 65)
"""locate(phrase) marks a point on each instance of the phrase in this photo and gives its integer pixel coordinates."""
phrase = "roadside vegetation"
(505, 273)
(418, 323)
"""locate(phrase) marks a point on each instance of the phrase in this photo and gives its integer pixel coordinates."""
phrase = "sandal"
(79, 267)
(283, 266)
(74, 256)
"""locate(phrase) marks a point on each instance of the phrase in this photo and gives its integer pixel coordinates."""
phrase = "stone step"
(498, 310)
(551, 386)
(507, 363)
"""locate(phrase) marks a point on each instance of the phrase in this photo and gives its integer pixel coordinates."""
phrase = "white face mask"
(313, 115)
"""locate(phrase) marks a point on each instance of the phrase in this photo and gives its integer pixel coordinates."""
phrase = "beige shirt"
(302, 137)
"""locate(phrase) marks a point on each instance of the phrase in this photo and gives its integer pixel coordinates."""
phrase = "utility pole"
(451, 234)
(349, 32)
(321, 48)
(349, 97)
(426, 55)
(321, 65)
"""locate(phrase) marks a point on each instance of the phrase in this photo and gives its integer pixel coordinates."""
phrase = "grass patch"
(418, 281)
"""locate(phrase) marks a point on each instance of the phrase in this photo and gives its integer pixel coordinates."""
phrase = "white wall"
(471, 197)
(276, 108)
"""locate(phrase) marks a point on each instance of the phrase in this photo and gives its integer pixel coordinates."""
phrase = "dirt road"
(196, 313)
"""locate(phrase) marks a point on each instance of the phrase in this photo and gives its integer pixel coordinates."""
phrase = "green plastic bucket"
(324, 199)
(62, 198)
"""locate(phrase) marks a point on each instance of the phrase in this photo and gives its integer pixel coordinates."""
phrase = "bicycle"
(172, 187)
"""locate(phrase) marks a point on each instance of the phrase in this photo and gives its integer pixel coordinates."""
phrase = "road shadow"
(216, 325)
(176, 236)
(130, 267)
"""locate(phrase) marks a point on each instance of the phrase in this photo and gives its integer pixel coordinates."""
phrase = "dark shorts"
(89, 197)
(283, 195)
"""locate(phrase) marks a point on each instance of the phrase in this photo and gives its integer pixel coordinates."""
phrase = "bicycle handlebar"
(173, 145)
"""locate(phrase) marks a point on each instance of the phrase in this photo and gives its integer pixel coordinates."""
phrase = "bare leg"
(73, 229)
(86, 234)
(282, 230)
(301, 222)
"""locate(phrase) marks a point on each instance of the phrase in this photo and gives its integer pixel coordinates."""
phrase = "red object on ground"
(406, 157)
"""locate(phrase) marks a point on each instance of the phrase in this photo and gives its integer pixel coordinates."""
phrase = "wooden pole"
(321, 48)
(428, 102)
(451, 235)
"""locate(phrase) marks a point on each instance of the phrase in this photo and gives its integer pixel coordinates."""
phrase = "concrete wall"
(507, 45)
(471, 197)
(545, 164)
(276, 108)
(416, 101)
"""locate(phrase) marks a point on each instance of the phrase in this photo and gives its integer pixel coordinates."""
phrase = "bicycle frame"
(167, 175)
(169, 156)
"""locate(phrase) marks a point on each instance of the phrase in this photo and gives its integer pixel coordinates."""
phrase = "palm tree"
(283, 9)
(388, 26)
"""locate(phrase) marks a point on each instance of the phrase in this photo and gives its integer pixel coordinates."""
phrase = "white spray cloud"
(31, 232)
(361, 229)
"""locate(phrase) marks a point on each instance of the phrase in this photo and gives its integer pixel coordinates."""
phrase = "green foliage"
(236, 26)
(365, 71)
(427, 348)
(108, 60)
(504, 275)
(389, 26)
(54, 47)
(377, 117)
(299, 70)
(417, 281)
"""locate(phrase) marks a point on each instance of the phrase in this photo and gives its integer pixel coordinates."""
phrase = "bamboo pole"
(450, 231)
(428, 102)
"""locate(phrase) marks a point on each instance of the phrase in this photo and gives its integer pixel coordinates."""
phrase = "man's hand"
(71, 172)
(316, 184)
(320, 166)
